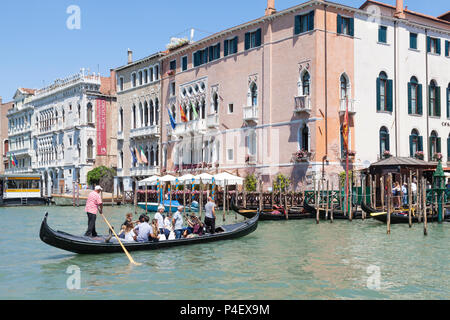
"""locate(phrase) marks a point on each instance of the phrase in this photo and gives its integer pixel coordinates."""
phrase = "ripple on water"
(281, 260)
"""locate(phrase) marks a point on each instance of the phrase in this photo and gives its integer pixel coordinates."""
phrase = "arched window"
(133, 79)
(145, 114)
(384, 141)
(415, 143)
(174, 112)
(141, 115)
(254, 94)
(434, 105)
(203, 111)
(384, 93)
(134, 116)
(152, 114)
(191, 112)
(140, 78)
(79, 113)
(435, 144)
(157, 111)
(216, 100)
(121, 120)
(306, 84)
(90, 114)
(344, 87)
(304, 138)
(145, 76)
(90, 149)
(152, 157)
(414, 97)
(157, 156)
(121, 160)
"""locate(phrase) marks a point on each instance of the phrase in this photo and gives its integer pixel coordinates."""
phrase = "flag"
(12, 160)
(194, 109)
(138, 155)
(143, 157)
(15, 160)
(345, 131)
(183, 115)
(172, 120)
(134, 156)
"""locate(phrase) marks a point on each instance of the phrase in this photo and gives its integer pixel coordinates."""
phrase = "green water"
(280, 260)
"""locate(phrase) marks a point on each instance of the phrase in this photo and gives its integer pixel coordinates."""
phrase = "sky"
(37, 47)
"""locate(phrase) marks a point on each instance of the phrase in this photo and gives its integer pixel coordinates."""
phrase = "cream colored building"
(139, 120)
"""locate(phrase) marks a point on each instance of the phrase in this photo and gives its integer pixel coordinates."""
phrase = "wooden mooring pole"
(424, 199)
(389, 204)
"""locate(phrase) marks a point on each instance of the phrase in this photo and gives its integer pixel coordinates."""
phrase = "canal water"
(280, 260)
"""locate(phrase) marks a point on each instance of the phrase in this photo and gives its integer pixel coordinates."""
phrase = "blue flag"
(15, 160)
(172, 120)
(134, 156)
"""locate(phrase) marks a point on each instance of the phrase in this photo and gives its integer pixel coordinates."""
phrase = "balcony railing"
(186, 128)
(145, 131)
(343, 106)
(144, 171)
(213, 120)
(250, 160)
(251, 113)
(302, 104)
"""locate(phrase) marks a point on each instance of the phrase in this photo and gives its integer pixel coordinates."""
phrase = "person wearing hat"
(178, 222)
(94, 204)
(160, 218)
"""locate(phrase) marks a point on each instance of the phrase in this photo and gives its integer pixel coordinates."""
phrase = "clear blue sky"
(37, 47)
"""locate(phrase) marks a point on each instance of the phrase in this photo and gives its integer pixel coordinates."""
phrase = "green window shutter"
(409, 99)
(297, 25)
(205, 56)
(438, 101)
(420, 143)
(438, 46)
(382, 34)
(311, 21)
(411, 146)
(429, 100)
(339, 24)
(388, 138)
(448, 149)
(378, 95)
(428, 44)
(352, 27)
(258, 37)
(195, 59)
(430, 141)
(211, 53)
(419, 99)
(413, 41)
(218, 51)
(381, 138)
(225, 48)
(438, 145)
(247, 41)
(447, 53)
(390, 91)
(448, 105)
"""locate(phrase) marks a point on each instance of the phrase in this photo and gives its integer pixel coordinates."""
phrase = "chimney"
(270, 7)
(399, 13)
(130, 56)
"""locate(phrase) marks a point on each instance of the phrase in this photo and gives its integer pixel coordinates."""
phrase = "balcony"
(302, 104)
(144, 132)
(144, 171)
(213, 121)
(343, 106)
(187, 128)
(302, 156)
(251, 114)
(16, 170)
(250, 160)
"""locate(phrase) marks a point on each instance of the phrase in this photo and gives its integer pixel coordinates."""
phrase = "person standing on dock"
(210, 216)
(93, 205)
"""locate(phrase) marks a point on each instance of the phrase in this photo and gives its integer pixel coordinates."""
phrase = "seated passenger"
(168, 229)
(195, 226)
(129, 235)
(143, 230)
(154, 234)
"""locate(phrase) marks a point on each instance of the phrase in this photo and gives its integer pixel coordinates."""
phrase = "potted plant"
(301, 156)
(437, 157)
(386, 154)
(419, 155)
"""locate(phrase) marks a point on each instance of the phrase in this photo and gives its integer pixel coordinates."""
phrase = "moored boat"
(98, 245)
(272, 214)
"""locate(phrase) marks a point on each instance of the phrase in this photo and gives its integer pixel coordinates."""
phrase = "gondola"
(397, 217)
(98, 245)
(272, 214)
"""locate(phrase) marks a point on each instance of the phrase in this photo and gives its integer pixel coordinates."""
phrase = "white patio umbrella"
(230, 179)
(168, 178)
(205, 177)
(149, 181)
(186, 178)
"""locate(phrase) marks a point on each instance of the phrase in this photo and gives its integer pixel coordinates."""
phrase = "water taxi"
(21, 190)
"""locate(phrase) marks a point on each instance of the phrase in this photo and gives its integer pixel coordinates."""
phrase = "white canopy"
(149, 181)
(186, 178)
(205, 177)
(168, 178)
(230, 179)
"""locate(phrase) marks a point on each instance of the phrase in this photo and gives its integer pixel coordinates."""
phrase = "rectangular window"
(172, 88)
(433, 45)
(253, 39)
(121, 84)
(230, 46)
(304, 23)
(447, 48)
(173, 65)
(382, 34)
(184, 63)
(230, 155)
(230, 108)
(413, 40)
(214, 52)
(200, 57)
(345, 25)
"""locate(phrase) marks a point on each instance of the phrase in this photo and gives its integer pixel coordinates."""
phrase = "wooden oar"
(120, 242)
(375, 214)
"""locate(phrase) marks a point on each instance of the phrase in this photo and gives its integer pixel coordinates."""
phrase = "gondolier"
(94, 204)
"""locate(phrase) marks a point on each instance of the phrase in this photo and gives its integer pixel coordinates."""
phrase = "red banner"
(101, 127)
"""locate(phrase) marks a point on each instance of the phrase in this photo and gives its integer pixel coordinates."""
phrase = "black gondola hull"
(86, 245)
(267, 214)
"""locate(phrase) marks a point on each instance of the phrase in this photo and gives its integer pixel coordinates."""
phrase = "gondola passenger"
(160, 218)
(154, 234)
(177, 222)
(168, 227)
(143, 230)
